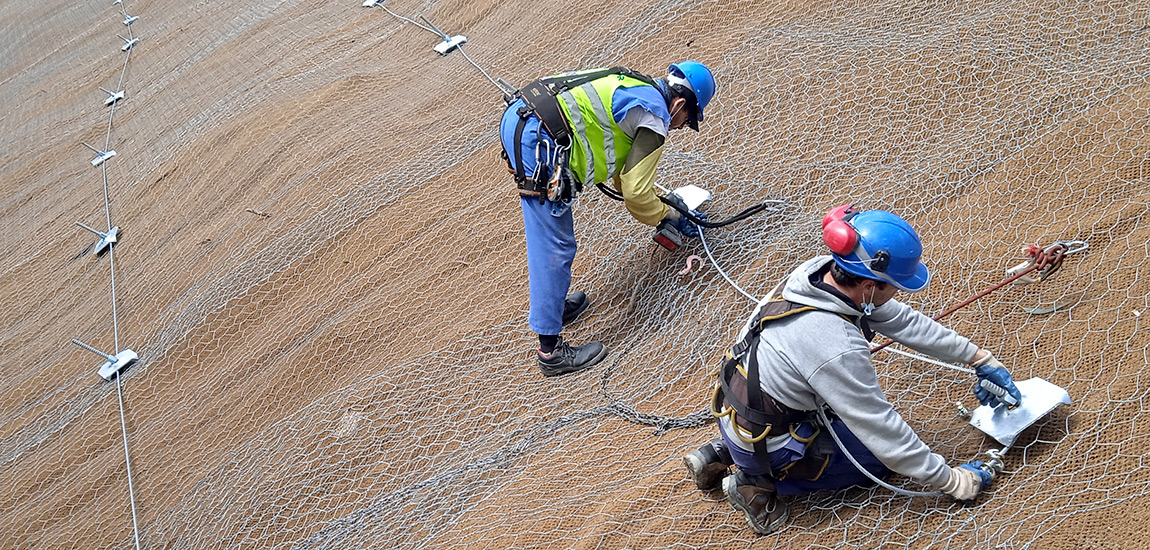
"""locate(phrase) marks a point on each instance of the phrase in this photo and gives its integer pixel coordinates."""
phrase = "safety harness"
(552, 179)
(739, 395)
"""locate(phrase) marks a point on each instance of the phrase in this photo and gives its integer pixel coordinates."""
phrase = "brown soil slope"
(322, 270)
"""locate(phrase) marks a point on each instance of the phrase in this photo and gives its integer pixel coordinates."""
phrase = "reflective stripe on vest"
(599, 143)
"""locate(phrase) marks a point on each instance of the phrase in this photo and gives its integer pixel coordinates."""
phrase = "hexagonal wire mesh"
(322, 268)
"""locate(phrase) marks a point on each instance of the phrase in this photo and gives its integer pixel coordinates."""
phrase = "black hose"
(751, 211)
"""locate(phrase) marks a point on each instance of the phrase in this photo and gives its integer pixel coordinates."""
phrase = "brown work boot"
(707, 465)
(755, 497)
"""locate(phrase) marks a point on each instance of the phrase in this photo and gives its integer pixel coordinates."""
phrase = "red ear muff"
(838, 235)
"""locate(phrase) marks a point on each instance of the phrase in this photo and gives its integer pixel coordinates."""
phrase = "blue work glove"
(984, 475)
(967, 481)
(994, 384)
(687, 227)
(684, 225)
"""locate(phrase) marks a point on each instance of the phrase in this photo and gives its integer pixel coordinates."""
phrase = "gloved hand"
(687, 227)
(681, 222)
(967, 481)
(994, 384)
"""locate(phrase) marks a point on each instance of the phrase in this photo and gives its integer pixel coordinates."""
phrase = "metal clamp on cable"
(995, 463)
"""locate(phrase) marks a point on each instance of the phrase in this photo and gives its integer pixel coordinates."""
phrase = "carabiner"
(1048, 260)
(547, 157)
(1071, 247)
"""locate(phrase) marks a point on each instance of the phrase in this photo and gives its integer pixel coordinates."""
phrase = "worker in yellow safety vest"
(565, 132)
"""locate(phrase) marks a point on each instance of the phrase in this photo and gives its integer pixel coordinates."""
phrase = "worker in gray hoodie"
(810, 348)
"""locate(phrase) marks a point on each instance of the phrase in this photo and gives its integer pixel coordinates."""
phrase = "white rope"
(128, 463)
(430, 28)
(412, 21)
(720, 270)
(929, 360)
(827, 424)
(112, 270)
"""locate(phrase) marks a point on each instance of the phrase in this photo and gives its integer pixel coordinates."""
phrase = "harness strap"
(544, 104)
(739, 394)
(528, 187)
(561, 83)
(520, 173)
(752, 411)
(541, 98)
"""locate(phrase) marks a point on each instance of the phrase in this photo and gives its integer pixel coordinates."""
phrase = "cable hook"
(690, 259)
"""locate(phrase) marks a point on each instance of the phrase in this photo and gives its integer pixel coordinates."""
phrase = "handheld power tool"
(687, 198)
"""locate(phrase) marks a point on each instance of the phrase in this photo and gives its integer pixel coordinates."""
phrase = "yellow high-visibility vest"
(599, 146)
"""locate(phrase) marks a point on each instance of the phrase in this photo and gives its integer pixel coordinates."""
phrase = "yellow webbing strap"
(717, 397)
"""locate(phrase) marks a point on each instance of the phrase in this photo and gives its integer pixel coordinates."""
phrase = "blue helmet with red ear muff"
(877, 245)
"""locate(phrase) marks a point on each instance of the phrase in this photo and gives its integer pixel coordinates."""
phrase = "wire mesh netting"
(321, 268)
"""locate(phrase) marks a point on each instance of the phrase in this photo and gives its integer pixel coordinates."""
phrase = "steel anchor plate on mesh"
(117, 363)
(1039, 397)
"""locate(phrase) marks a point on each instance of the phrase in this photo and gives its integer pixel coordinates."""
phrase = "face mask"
(868, 307)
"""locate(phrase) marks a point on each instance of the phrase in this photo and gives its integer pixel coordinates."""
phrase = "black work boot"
(708, 465)
(575, 304)
(567, 358)
(755, 497)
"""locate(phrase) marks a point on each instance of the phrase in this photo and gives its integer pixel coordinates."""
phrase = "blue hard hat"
(887, 250)
(699, 81)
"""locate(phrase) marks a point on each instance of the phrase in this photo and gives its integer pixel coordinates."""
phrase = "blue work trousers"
(839, 473)
(549, 227)
(550, 251)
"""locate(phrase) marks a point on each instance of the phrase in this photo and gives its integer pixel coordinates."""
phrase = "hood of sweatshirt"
(800, 290)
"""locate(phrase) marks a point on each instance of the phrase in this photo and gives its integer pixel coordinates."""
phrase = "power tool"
(687, 198)
(684, 199)
(667, 236)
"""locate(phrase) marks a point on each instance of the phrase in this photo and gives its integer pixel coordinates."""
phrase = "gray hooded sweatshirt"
(819, 356)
